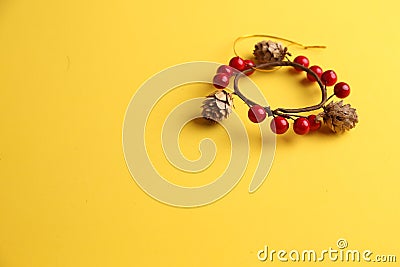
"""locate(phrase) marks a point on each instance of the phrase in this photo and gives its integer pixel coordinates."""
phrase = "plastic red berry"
(249, 65)
(317, 70)
(221, 80)
(341, 90)
(314, 123)
(257, 114)
(301, 126)
(302, 60)
(279, 125)
(237, 63)
(225, 69)
(329, 78)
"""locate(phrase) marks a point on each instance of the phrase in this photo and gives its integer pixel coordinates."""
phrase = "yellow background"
(68, 71)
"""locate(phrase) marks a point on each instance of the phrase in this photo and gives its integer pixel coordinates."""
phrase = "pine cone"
(270, 51)
(217, 106)
(339, 117)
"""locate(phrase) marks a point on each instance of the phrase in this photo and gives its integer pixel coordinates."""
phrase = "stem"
(288, 116)
(244, 98)
(239, 94)
(279, 111)
(330, 97)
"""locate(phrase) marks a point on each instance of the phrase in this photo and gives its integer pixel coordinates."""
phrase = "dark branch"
(280, 111)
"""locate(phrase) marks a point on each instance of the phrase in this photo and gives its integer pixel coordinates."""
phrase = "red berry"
(317, 70)
(249, 65)
(279, 125)
(301, 126)
(314, 123)
(329, 78)
(237, 63)
(257, 114)
(221, 80)
(302, 60)
(225, 69)
(341, 90)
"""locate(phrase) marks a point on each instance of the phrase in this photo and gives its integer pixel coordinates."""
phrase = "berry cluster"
(328, 78)
(301, 126)
(236, 65)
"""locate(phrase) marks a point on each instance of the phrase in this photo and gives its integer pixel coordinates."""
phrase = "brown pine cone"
(270, 51)
(217, 106)
(339, 117)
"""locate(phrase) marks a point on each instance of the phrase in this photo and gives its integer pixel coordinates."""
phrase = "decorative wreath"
(269, 55)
